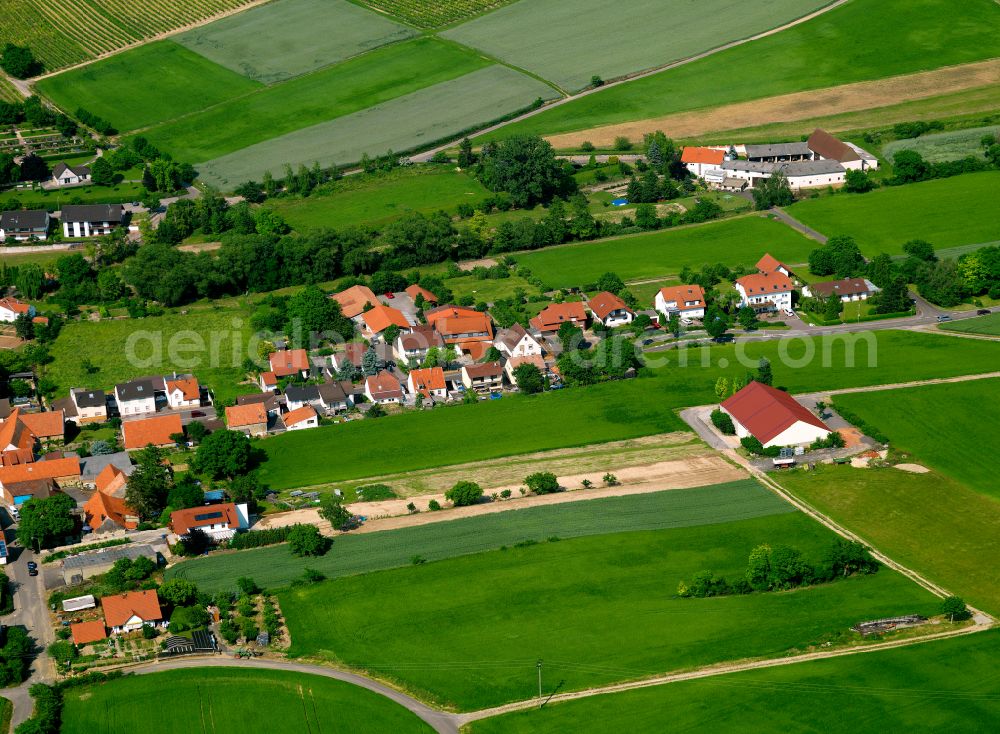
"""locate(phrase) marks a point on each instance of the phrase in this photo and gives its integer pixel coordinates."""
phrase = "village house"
(808, 174)
(90, 220)
(769, 264)
(75, 569)
(160, 431)
(353, 355)
(268, 399)
(48, 428)
(686, 300)
(482, 378)
(516, 342)
(701, 160)
(610, 310)
(773, 417)
(268, 381)
(88, 406)
(105, 513)
(336, 396)
(301, 418)
(92, 467)
(299, 396)
(411, 347)
(24, 225)
(468, 330)
(87, 633)
(381, 317)
(138, 397)
(16, 494)
(132, 611)
(553, 316)
(779, 152)
(183, 392)
(112, 481)
(415, 290)
(11, 308)
(354, 300)
(383, 388)
(250, 418)
(428, 382)
(66, 175)
(829, 148)
(289, 362)
(847, 289)
(513, 363)
(218, 522)
(765, 292)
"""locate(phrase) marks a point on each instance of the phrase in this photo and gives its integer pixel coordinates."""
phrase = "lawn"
(377, 200)
(146, 85)
(353, 85)
(413, 120)
(918, 689)
(290, 37)
(121, 350)
(948, 146)
(231, 701)
(659, 254)
(989, 325)
(611, 411)
(927, 522)
(490, 290)
(921, 421)
(823, 52)
(595, 609)
(883, 220)
(568, 43)
(54, 199)
(274, 567)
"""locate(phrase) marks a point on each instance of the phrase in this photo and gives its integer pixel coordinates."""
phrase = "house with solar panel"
(217, 522)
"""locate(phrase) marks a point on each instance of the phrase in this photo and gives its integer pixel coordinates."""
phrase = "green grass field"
(351, 86)
(988, 325)
(376, 201)
(596, 609)
(231, 701)
(947, 146)
(920, 689)
(290, 37)
(659, 254)
(922, 420)
(824, 52)
(416, 119)
(611, 411)
(146, 85)
(54, 199)
(883, 220)
(129, 348)
(927, 522)
(567, 43)
(275, 567)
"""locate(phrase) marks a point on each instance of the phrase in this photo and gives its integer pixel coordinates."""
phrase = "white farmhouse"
(765, 292)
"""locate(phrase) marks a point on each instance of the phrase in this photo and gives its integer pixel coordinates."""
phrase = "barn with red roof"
(773, 417)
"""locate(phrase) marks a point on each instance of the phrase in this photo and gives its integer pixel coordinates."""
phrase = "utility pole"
(538, 665)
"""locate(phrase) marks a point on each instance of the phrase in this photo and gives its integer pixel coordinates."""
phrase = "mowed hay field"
(823, 52)
(597, 610)
(735, 241)
(610, 412)
(290, 37)
(146, 85)
(351, 86)
(987, 325)
(945, 212)
(926, 689)
(275, 567)
(232, 700)
(928, 522)
(568, 43)
(922, 421)
(412, 120)
(379, 200)
(948, 146)
(64, 32)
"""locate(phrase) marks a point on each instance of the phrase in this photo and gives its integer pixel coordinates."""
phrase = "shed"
(78, 603)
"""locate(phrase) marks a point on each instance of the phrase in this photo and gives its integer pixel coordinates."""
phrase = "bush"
(375, 492)
(188, 618)
(258, 538)
(464, 494)
(723, 422)
(433, 505)
(247, 585)
(229, 631)
(542, 482)
(755, 447)
(306, 540)
(833, 441)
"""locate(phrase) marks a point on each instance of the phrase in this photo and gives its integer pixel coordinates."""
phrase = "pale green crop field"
(947, 146)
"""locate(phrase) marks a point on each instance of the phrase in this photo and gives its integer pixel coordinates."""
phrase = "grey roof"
(778, 149)
(91, 213)
(140, 389)
(61, 168)
(109, 555)
(420, 337)
(748, 166)
(305, 394)
(89, 398)
(91, 466)
(24, 219)
(810, 168)
(332, 393)
(268, 399)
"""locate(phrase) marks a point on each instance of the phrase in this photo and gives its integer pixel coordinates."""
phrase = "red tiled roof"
(476, 349)
(487, 369)
(845, 287)
(681, 294)
(52, 469)
(182, 521)
(604, 303)
(383, 386)
(156, 431)
(760, 284)
(555, 315)
(86, 632)
(268, 378)
(770, 264)
(767, 412)
(414, 290)
(14, 433)
(289, 362)
(187, 385)
(353, 300)
(50, 424)
(103, 507)
(425, 380)
(242, 416)
(13, 304)
(120, 608)
(110, 479)
(420, 337)
(381, 317)
(299, 415)
(703, 155)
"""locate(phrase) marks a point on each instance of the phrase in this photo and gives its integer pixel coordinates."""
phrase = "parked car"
(983, 312)
(390, 295)
(944, 317)
(646, 342)
(32, 571)
(32, 566)
(197, 414)
(724, 339)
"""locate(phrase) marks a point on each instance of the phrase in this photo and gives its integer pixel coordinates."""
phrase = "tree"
(306, 540)
(34, 168)
(529, 378)
(758, 570)
(908, 166)
(787, 569)
(147, 488)
(857, 181)
(45, 522)
(466, 157)
(185, 493)
(24, 327)
(921, 250)
(312, 316)
(610, 282)
(188, 618)
(10, 173)
(333, 511)
(224, 454)
(722, 388)
(19, 62)
(101, 173)
(645, 217)
(371, 364)
(596, 81)
(831, 308)
(840, 256)
(881, 270)
(715, 322)
(542, 482)
(674, 324)
(747, 318)
(525, 167)
(773, 191)
(464, 494)
(178, 592)
(955, 609)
